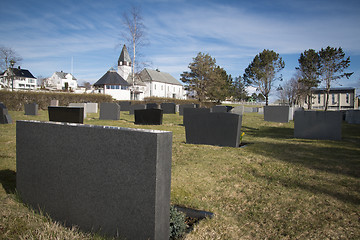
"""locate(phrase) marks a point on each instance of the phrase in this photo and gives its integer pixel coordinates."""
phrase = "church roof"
(111, 78)
(149, 75)
(124, 55)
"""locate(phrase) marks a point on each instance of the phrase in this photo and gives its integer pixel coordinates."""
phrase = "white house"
(148, 83)
(62, 80)
(18, 79)
(339, 98)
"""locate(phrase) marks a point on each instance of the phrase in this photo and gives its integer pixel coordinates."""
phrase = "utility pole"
(12, 62)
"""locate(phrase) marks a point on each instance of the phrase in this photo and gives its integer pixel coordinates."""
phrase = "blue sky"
(49, 34)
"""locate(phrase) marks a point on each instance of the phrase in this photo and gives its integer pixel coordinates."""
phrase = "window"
(107, 86)
(333, 98)
(112, 87)
(319, 98)
(347, 98)
(117, 87)
(162, 87)
(124, 87)
(154, 86)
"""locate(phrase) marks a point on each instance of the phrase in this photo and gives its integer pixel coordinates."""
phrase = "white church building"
(148, 83)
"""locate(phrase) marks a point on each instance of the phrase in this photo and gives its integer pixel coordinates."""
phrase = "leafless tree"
(135, 34)
(6, 55)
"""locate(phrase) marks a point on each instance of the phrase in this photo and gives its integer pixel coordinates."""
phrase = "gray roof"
(149, 75)
(62, 75)
(333, 89)
(111, 78)
(124, 56)
(20, 73)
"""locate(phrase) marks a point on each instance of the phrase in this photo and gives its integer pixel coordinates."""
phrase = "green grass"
(276, 187)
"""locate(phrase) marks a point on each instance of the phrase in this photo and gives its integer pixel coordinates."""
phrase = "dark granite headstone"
(152, 105)
(280, 114)
(318, 125)
(221, 108)
(124, 105)
(221, 129)
(109, 111)
(188, 112)
(168, 108)
(352, 116)
(182, 106)
(136, 107)
(31, 109)
(110, 180)
(5, 117)
(66, 114)
(149, 116)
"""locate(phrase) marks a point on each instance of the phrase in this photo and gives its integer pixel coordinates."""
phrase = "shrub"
(177, 223)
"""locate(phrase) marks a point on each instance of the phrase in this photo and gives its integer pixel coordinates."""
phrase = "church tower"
(124, 63)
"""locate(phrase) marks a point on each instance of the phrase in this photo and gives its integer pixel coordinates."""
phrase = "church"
(148, 83)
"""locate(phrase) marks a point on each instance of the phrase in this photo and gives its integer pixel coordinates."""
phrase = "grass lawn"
(276, 187)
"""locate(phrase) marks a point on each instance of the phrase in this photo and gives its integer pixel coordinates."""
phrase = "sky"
(85, 38)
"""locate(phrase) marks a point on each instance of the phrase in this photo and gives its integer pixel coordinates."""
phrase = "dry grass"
(277, 187)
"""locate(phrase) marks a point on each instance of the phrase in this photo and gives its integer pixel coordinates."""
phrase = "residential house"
(339, 98)
(18, 79)
(62, 81)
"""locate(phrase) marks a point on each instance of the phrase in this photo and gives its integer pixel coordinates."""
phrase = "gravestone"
(124, 105)
(31, 109)
(352, 116)
(152, 105)
(280, 114)
(109, 111)
(250, 109)
(5, 117)
(182, 106)
(221, 108)
(136, 107)
(168, 108)
(109, 180)
(221, 129)
(318, 125)
(238, 110)
(188, 112)
(260, 110)
(66, 114)
(54, 103)
(293, 110)
(83, 105)
(91, 107)
(149, 116)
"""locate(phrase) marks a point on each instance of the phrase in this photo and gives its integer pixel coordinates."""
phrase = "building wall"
(336, 100)
(25, 83)
(164, 90)
(116, 92)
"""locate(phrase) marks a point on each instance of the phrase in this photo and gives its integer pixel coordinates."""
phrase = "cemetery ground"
(277, 187)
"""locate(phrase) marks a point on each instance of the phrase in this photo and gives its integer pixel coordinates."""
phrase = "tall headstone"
(83, 105)
(109, 111)
(352, 116)
(111, 180)
(31, 108)
(151, 116)
(318, 125)
(5, 117)
(92, 107)
(152, 105)
(124, 105)
(168, 108)
(221, 129)
(280, 114)
(66, 114)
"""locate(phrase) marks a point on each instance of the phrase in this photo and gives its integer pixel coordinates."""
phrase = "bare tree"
(6, 55)
(134, 34)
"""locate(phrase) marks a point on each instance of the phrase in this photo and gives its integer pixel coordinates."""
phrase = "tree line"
(208, 81)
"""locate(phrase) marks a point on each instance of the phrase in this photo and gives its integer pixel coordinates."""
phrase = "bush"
(14, 101)
(177, 223)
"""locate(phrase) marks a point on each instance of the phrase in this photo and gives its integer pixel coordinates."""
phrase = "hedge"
(14, 101)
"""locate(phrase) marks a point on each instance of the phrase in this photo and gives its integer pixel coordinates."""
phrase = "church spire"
(124, 58)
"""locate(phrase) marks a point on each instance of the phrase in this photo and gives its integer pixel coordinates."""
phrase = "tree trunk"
(266, 100)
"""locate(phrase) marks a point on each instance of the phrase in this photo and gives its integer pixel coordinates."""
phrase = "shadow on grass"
(8, 180)
(274, 132)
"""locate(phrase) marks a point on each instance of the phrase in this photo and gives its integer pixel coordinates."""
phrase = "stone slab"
(188, 112)
(151, 116)
(92, 107)
(168, 108)
(221, 108)
(318, 125)
(220, 129)
(109, 111)
(66, 114)
(5, 117)
(238, 110)
(124, 105)
(182, 106)
(111, 180)
(352, 116)
(280, 114)
(83, 105)
(152, 105)
(31, 108)
(136, 107)
(54, 103)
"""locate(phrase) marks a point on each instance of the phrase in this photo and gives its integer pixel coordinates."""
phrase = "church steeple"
(124, 63)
